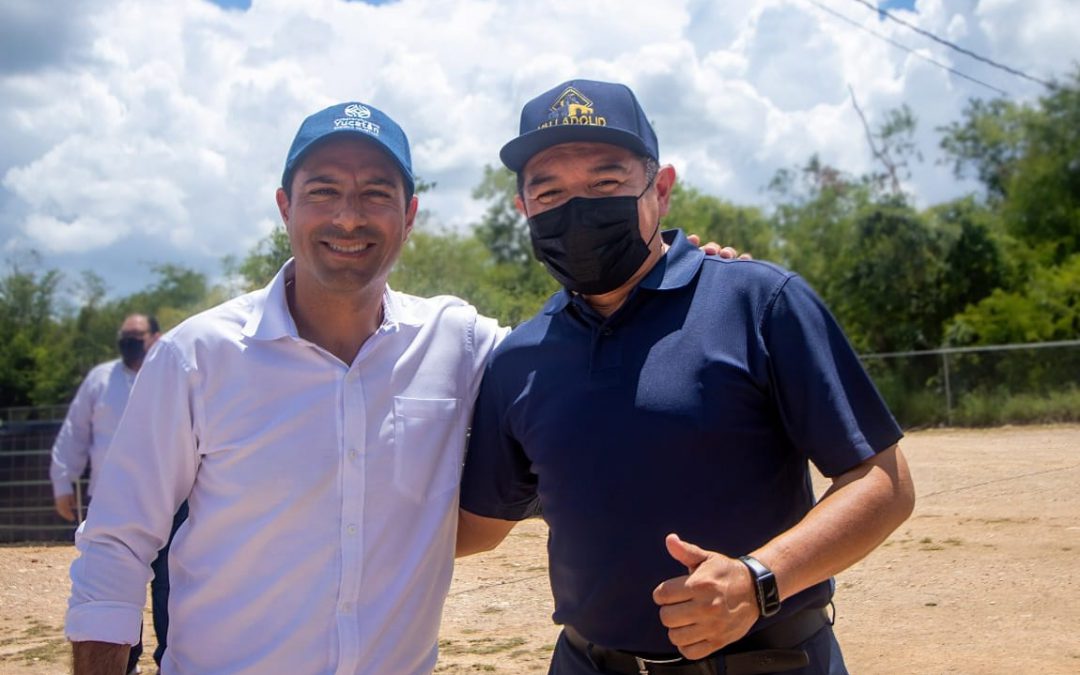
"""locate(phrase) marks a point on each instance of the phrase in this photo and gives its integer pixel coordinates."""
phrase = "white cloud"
(81, 234)
(158, 130)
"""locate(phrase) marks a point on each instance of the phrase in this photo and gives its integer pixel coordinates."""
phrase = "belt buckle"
(643, 664)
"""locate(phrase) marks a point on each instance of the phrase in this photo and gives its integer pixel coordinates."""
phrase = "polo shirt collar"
(270, 319)
(674, 270)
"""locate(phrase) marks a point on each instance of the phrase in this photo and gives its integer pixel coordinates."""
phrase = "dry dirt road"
(984, 578)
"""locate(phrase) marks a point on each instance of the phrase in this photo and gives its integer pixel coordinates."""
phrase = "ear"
(283, 205)
(665, 183)
(410, 217)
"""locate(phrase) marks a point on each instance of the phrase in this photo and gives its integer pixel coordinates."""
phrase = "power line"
(906, 48)
(967, 52)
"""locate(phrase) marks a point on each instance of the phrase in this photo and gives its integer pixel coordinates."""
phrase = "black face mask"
(591, 245)
(132, 350)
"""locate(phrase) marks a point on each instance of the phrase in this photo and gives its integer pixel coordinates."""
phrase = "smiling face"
(347, 217)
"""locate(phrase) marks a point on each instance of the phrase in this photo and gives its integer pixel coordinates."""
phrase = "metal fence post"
(948, 389)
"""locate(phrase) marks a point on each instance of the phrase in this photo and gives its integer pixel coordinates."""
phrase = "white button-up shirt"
(89, 426)
(322, 495)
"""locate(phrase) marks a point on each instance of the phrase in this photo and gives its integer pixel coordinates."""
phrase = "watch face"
(770, 595)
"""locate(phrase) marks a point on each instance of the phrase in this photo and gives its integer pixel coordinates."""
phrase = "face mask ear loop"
(657, 228)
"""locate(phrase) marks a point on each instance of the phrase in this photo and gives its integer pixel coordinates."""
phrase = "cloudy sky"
(135, 133)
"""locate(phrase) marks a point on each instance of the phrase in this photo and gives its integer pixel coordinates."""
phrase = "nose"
(350, 213)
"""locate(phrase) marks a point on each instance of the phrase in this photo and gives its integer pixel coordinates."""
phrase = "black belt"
(769, 650)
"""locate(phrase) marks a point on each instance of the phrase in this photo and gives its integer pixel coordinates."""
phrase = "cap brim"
(518, 152)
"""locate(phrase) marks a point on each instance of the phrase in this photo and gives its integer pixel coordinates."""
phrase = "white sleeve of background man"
(148, 472)
(71, 449)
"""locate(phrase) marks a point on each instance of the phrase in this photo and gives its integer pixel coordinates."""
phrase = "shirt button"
(353, 454)
(351, 529)
(606, 331)
(346, 607)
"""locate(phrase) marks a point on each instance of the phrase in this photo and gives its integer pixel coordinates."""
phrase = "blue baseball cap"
(351, 118)
(581, 110)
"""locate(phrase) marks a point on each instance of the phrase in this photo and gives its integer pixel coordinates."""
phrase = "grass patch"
(480, 646)
(983, 409)
(51, 651)
(37, 629)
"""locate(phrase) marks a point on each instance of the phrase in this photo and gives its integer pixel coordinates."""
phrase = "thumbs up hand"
(711, 606)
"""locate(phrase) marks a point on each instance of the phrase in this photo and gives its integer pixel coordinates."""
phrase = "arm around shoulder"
(477, 534)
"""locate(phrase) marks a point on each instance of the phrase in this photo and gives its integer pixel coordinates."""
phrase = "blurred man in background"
(84, 437)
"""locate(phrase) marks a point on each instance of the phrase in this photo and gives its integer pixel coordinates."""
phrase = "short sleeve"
(829, 406)
(497, 481)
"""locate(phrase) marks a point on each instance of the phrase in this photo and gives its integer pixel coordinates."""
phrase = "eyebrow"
(321, 179)
(617, 167)
(377, 180)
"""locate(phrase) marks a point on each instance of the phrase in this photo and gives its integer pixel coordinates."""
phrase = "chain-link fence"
(27, 511)
(967, 386)
(981, 386)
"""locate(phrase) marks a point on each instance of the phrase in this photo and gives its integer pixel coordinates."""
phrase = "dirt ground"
(984, 577)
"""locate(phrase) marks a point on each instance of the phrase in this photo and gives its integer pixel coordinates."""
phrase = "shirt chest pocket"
(429, 446)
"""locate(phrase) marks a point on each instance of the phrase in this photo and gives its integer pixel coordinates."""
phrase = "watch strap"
(765, 588)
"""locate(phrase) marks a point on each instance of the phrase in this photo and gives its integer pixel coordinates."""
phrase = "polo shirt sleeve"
(497, 481)
(829, 406)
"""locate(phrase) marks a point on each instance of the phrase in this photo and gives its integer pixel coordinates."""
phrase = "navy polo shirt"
(692, 409)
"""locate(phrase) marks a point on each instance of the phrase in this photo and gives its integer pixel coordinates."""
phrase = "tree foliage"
(1028, 159)
(999, 266)
(46, 349)
(713, 219)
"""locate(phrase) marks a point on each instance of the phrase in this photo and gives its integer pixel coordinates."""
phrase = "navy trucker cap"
(581, 110)
(351, 118)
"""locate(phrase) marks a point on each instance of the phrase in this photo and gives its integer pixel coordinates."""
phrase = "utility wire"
(906, 48)
(950, 45)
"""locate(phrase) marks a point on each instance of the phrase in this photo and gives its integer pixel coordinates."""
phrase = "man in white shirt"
(316, 428)
(95, 411)
(91, 422)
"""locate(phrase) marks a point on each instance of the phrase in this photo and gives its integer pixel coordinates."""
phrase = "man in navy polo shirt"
(664, 392)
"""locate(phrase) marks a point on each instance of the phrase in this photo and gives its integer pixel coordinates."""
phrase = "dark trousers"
(159, 589)
(822, 648)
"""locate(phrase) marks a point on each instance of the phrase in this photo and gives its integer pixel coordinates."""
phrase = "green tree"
(1028, 158)
(744, 227)
(987, 142)
(887, 294)
(261, 264)
(516, 284)
(975, 263)
(178, 293)
(1046, 308)
(30, 366)
(502, 228)
(814, 213)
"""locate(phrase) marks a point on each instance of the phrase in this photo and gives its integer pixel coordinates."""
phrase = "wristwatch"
(768, 595)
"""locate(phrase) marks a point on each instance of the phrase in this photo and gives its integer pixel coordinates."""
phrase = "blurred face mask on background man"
(132, 348)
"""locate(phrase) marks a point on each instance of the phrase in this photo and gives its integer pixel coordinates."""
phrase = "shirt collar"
(675, 269)
(271, 319)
